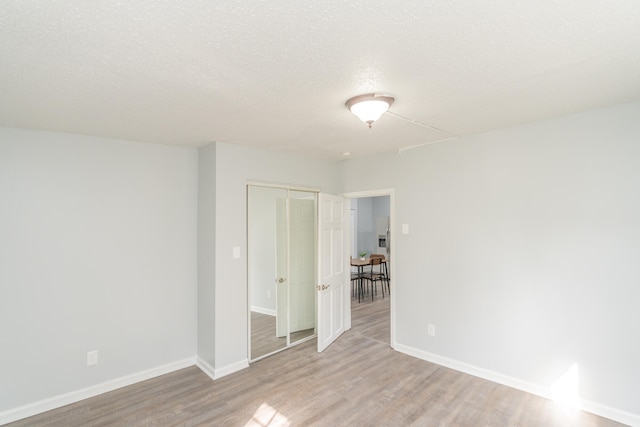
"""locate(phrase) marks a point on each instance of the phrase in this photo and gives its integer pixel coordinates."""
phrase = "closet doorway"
(281, 267)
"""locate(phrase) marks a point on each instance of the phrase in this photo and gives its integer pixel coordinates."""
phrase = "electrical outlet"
(92, 357)
(431, 329)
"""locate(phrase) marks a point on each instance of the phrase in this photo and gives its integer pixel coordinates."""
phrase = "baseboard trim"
(215, 374)
(85, 393)
(231, 368)
(206, 368)
(612, 413)
(474, 370)
(262, 310)
(587, 406)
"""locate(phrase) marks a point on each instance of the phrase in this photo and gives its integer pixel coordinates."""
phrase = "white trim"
(353, 224)
(91, 391)
(403, 149)
(282, 186)
(230, 369)
(474, 370)
(206, 368)
(585, 405)
(368, 193)
(215, 374)
(262, 310)
(611, 413)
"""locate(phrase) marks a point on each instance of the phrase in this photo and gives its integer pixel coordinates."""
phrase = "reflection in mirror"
(302, 264)
(281, 227)
(267, 303)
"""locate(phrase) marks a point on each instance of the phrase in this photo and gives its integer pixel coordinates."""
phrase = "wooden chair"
(375, 274)
(356, 282)
(355, 285)
(383, 269)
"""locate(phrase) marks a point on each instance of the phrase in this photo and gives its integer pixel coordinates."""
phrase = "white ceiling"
(275, 74)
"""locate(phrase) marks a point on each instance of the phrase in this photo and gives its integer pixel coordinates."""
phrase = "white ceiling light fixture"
(369, 107)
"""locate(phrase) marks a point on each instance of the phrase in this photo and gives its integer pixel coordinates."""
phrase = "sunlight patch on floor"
(265, 416)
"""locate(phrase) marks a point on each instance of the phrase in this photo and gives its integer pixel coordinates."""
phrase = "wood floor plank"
(358, 381)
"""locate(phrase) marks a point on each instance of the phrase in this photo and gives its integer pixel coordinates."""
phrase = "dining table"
(363, 262)
(360, 264)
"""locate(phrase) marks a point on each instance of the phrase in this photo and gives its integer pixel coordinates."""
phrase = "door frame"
(394, 237)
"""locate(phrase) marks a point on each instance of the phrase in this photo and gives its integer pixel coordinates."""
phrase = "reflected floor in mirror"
(263, 335)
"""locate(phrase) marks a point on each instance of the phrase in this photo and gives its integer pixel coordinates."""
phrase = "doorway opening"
(371, 220)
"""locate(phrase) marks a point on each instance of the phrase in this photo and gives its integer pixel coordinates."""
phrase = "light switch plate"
(405, 228)
(92, 357)
(236, 252)
(431, 329)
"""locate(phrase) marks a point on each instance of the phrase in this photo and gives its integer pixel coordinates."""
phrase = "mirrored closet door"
(281, 226)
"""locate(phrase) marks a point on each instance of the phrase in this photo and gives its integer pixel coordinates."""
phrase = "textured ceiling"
(276, 74)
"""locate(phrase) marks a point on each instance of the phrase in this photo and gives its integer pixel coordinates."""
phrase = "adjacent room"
(187, 189)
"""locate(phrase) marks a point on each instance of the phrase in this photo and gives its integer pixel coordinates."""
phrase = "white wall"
(523, 251)
(206, 255)
(366, 225)
(234, 166)
(369, 210)
(97, 252)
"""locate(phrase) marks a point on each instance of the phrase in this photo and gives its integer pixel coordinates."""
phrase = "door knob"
(280, 279)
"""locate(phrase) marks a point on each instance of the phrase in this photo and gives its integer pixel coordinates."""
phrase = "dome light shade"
(369, 107)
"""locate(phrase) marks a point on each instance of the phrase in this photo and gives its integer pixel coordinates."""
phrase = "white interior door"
(332, 268)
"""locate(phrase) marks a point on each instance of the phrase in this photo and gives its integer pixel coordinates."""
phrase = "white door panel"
(332, 271)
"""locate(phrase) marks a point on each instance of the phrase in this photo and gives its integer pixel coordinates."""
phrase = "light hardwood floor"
(358, 381)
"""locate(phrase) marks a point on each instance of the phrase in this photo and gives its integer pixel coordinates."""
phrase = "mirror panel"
(281, 267)
(268, 296)
(302, 267)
